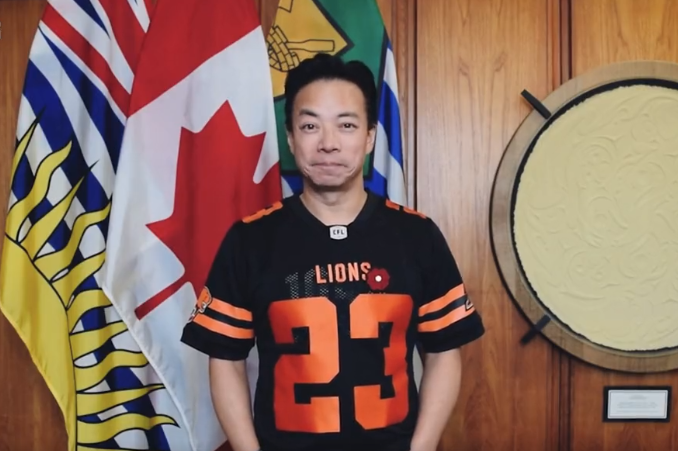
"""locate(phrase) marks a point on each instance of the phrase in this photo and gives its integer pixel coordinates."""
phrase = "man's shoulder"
(264, 219)
(255, 226)
(417, 230)
(403, 210)
(404, 216)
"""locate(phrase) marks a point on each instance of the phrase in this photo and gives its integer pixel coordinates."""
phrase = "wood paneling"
(473, 60)
(609, 31)
(267, 10)
(29, 417)
(604, 32)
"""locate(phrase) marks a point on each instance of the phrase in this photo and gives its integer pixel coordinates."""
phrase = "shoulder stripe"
(263, 212)
(393, 205)
(414, 212)
(397, 207)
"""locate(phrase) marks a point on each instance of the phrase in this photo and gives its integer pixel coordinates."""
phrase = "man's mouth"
(327, 164)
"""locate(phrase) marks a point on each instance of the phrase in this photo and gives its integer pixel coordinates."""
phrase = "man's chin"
(328, 185)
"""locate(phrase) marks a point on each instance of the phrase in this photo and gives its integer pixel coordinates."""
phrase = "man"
(336, 285)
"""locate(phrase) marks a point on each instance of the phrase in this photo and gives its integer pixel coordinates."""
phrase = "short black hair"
(324, 66)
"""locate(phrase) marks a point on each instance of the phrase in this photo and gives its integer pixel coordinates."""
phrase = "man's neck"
(337, 207)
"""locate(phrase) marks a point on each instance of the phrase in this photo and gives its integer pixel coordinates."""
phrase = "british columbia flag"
(72, 116)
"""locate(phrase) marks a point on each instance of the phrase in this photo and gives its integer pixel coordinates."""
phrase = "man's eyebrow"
(307, 112)
(349, 114)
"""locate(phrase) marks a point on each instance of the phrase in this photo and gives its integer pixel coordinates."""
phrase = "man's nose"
(329, 141)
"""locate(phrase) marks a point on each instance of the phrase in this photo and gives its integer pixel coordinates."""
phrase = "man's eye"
(307, 126)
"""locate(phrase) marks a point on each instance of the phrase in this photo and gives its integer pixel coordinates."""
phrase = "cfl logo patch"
(338, 232)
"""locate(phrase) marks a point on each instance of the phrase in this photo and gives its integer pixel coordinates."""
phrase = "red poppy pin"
(378, 279)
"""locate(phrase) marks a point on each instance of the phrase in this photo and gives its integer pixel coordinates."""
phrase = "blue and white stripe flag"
(388, 178)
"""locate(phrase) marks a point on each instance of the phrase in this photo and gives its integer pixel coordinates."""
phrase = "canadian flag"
(198, 153)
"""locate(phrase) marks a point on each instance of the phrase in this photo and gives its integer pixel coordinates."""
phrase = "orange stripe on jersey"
(230, 310)
(393, 205)
(413, 212)
(398, 207)
(443, 301)
(263, 212)
(224, 329)
(455, 315)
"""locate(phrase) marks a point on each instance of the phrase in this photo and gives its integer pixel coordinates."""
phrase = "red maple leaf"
(214, 188)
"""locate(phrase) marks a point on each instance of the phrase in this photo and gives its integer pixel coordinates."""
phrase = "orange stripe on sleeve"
(230, 310)
(443, 301)
(455, 315)
(222, 328)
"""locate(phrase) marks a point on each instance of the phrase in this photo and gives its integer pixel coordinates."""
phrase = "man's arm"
(222, 327)
(447, 320)
(437, 397)
(231, 399)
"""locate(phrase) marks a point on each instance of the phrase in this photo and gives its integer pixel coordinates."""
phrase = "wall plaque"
(631, 404)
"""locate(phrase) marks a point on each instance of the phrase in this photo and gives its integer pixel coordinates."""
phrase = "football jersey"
(336, 312)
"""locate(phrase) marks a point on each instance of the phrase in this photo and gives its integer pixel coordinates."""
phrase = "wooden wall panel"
(29, 417)
(473, 60)
(609, 31)
(267, 10)
(604, 32)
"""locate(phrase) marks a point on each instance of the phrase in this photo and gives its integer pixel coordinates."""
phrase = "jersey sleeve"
(221, 324)
(447, 317)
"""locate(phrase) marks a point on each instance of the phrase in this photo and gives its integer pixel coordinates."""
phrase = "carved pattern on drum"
(596, 218)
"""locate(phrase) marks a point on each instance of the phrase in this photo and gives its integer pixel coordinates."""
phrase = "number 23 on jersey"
(321, 364)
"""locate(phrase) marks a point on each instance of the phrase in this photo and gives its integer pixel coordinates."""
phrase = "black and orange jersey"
(336, 313)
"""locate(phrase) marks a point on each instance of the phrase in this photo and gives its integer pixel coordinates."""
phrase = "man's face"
(330, 138)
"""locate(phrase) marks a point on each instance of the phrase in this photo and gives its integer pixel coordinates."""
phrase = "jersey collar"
(364, 214)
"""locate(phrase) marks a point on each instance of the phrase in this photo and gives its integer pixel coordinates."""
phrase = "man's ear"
(371, 137)
(289, 142)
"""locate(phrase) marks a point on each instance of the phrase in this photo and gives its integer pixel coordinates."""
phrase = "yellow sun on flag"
(37, 297)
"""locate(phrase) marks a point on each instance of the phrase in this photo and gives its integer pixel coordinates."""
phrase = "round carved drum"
(584, 217)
